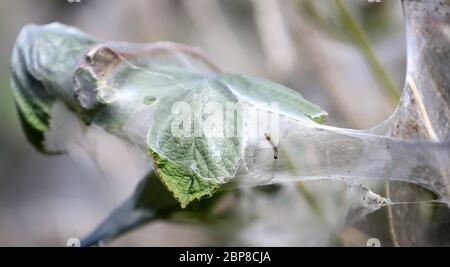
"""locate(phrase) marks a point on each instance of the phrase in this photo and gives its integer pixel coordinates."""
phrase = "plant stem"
(361, 39)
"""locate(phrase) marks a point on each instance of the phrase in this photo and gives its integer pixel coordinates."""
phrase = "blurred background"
(307, 45)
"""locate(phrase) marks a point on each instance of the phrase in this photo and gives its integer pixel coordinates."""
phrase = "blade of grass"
(362, 41)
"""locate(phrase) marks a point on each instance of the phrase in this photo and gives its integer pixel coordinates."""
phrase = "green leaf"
(195, 165)
(41, 72)
(183, 183)
(130, 90)
(255, 89)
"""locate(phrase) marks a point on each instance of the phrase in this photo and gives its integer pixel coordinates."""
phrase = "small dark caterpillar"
(275, 147)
